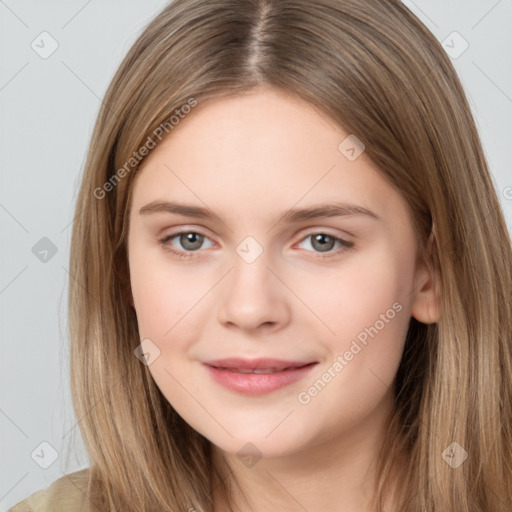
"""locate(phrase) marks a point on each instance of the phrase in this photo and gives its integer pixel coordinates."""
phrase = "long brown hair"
(376, 70)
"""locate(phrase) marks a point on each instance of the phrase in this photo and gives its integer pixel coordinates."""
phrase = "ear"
(426, 304)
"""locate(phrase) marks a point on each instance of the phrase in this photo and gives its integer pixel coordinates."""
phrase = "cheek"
(368, 310)
(380, 316)
(161, 295)
(365, 287)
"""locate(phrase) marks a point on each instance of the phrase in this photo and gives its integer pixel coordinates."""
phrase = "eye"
(190, 241)
(324, 243)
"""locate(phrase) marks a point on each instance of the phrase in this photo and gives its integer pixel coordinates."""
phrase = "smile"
(256, 377)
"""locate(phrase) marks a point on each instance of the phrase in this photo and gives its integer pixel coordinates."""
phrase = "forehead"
(265, 148)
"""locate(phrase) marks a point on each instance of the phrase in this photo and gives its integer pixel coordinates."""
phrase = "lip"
(232, 373)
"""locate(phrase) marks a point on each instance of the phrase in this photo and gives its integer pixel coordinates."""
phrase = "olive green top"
(67, 494)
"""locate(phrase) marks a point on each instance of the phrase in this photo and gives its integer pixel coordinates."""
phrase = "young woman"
(290, 272)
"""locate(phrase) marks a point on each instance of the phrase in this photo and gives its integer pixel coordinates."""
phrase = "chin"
(249, 449)
(259, 441)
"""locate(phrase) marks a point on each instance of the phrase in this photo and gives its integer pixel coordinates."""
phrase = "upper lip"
(238, 363)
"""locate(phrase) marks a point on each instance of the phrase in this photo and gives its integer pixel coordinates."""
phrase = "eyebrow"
(293, 215)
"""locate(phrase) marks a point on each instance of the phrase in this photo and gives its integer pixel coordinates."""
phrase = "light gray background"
(48, 110)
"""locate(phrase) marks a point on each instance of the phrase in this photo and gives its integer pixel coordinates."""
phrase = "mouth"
(257, 376)
(263, 370)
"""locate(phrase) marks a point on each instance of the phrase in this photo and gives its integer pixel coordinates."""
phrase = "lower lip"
(258, 383)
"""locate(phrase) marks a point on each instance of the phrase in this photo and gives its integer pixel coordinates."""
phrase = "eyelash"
(346, 245)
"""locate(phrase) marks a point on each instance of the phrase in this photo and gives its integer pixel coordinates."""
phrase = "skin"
(249, 159)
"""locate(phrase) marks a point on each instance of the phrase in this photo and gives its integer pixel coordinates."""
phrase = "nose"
(253, 297)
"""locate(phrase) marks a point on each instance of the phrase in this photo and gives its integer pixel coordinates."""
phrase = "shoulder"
(66, 494)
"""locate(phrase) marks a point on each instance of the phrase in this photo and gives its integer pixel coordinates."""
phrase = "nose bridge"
(250, 275)
(253, 295)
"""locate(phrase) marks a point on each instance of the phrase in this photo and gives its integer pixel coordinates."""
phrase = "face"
(225, 262)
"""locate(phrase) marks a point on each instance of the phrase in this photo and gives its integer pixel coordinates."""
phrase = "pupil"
(323, 246)
(191, 238)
